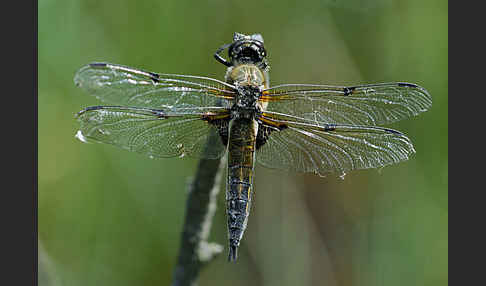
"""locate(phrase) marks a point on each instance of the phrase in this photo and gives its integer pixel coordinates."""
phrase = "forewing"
(155, 133)
(305, 147)
(125, 86)
(372, 104)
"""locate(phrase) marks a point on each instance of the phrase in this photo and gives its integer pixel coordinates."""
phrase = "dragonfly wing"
(155, 133)
(306, 147)
(125, 86)
(371, 104)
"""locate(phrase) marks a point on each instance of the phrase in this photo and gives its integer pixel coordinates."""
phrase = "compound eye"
(250, 52)
(247, 52)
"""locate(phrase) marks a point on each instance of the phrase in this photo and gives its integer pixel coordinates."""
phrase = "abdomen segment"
(241, 161)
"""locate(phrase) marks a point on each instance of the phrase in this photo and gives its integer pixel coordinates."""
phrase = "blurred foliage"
(111, 217)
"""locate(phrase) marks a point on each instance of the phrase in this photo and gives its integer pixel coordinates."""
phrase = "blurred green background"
(111, 217)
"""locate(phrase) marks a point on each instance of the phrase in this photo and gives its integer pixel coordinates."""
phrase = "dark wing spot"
(407, 84)
(392, 131)
(93, 108)
(348, 90)
(159, 113)
(97, 65)
(262, 136)
(221, 125)
(154, 77)
(329, 127)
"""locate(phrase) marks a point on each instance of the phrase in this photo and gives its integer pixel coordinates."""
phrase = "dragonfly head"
(245, 49)
(248, 49)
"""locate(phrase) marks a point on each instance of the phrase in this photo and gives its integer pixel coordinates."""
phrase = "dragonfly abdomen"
(241, 159)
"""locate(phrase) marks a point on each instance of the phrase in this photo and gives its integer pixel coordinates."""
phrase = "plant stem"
(195, 251)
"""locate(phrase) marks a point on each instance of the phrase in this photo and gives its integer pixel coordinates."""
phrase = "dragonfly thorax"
(249, 82)
(246, 74)
(246, 103)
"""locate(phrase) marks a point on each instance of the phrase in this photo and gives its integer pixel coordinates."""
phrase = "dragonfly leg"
(220, 58)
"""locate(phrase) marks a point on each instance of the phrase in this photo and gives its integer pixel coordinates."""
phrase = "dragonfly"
(310, 128)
